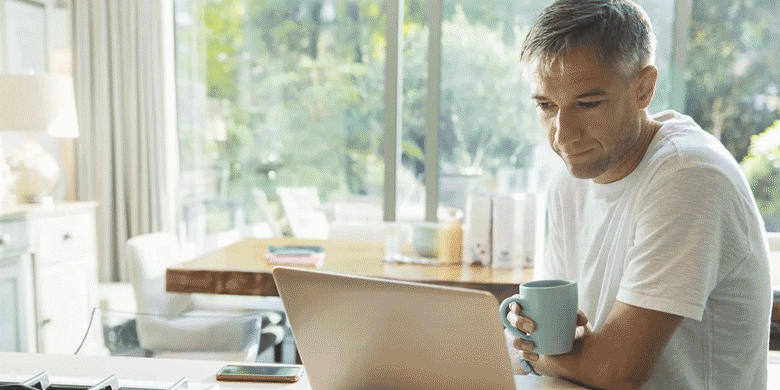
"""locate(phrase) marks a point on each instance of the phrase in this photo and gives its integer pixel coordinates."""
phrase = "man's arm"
(621, 355)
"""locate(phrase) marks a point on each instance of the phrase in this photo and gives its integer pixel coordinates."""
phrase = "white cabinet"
(17, 314)
(54, 277)
(64, 306)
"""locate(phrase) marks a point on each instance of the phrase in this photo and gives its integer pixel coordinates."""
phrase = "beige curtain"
(127, 155)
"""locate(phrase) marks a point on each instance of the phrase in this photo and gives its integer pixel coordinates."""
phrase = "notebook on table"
(369, 333)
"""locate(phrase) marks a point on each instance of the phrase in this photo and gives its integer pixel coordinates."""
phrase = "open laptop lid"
(360, 333)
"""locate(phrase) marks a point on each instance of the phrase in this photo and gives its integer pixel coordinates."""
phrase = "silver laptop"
(369, 333)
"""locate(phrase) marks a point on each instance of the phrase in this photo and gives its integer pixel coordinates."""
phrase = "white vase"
(35, 172)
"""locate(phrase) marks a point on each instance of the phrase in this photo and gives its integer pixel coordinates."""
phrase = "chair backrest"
(261, 201)
(149, 255)
(302, 207)
(352, 208)
(166, 322)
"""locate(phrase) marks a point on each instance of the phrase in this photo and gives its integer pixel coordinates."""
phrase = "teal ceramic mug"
(553, 306)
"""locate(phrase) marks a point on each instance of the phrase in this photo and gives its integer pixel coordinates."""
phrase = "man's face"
(590, 114)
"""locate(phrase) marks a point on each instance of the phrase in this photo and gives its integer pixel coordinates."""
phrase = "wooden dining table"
(243, 269)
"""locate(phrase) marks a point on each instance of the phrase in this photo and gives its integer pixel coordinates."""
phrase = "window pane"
(487, 122)
(732, 78)
(488, 129)
(276, 94)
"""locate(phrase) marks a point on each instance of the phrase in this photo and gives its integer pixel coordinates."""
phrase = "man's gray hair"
(618, 32)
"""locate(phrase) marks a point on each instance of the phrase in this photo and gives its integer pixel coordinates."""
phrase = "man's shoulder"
(682, 143)
(681, 132)
(683, 152)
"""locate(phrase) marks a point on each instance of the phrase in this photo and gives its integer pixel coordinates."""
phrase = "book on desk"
(311, 255)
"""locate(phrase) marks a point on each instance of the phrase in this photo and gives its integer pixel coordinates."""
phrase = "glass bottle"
(451, 240)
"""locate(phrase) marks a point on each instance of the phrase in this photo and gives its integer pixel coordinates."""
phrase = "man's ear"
(646, 79)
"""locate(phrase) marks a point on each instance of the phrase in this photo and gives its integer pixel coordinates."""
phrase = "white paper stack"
(477, 242)
(534, 228)
(508, 223)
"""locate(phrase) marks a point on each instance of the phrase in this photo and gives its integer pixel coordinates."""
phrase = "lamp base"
(36, 173)
(46, 201)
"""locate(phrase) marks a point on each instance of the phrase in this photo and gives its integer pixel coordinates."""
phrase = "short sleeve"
(674, 261)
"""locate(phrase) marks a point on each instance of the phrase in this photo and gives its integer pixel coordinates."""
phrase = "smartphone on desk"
(261, 373)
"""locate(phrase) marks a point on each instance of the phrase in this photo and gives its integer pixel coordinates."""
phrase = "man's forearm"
(595, 362)
(621, 354)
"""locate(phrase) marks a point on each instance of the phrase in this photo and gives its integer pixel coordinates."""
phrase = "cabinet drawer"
(13, 236)
(66, 238)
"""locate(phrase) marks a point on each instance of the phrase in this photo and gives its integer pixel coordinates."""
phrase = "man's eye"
(544, 105)
(590, 104)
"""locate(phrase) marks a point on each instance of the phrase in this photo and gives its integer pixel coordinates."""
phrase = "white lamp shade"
(39, 103)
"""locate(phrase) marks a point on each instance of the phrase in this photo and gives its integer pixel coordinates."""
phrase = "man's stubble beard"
(597, 168)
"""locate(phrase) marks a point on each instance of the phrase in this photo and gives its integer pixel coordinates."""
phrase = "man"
(655, 222)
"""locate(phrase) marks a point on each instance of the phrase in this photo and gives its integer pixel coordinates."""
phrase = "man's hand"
(525, 325)
(620, 355)
(524, 348)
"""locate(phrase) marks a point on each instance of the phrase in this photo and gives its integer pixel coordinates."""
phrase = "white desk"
(143, 371)
(201, 373)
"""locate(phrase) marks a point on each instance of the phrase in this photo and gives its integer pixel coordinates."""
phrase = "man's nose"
(568, 128)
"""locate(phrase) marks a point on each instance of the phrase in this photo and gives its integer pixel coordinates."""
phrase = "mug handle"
(502, 310)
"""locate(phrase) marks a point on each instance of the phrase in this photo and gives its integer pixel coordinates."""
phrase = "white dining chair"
(302, 207)
(190, 326)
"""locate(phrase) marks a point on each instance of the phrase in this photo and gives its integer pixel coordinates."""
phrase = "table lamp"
(39, 103)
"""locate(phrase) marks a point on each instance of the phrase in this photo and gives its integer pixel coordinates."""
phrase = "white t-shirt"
(680, 234)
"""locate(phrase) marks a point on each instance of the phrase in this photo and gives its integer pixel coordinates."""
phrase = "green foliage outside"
(304, 93)
(298, 94)
(486, 118)
(762, 169)
(733, 77)
(733, 65)
(300, 85)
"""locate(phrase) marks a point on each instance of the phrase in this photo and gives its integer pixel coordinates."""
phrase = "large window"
(292, 93)
(276, 93)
